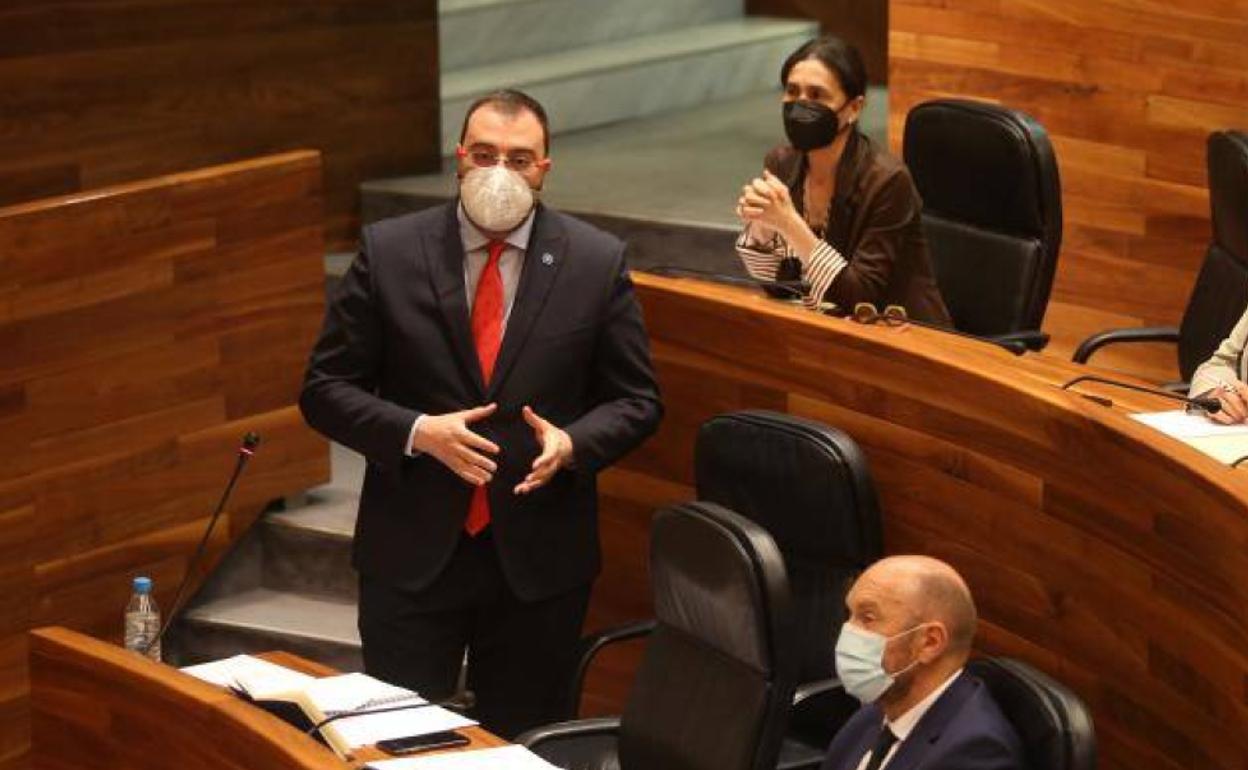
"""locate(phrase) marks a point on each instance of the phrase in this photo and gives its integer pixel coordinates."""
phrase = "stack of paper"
(502, 758)
(1225, 443)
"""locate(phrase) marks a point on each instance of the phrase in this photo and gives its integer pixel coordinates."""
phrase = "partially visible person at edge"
(831, 208)
(1225, 376)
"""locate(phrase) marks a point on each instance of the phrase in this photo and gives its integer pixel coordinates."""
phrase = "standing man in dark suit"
(901, 653)
(488, 358)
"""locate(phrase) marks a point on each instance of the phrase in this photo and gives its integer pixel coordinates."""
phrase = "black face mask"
(810, 125)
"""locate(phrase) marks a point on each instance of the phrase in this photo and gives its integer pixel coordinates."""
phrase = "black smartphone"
(414, 743)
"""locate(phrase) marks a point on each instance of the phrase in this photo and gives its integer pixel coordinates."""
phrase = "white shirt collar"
(474, 239)
(905, 724)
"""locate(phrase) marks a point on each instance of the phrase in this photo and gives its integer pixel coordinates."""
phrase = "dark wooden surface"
(1098, 550)
(862, 22)
(1128, 90)
(145, 329)
(104, 92)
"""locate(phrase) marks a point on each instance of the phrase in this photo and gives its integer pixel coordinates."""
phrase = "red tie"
(487, 330)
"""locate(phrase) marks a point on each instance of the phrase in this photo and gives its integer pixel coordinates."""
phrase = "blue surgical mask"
(860, 662)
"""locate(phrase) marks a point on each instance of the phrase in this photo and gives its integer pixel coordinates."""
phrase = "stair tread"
(580, 62)
(285, 613)
(328, 512)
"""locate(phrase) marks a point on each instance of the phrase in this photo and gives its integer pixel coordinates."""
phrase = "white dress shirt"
(476, 254)
(903, 725)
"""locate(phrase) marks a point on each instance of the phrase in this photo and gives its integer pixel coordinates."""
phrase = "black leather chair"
(810, 487)
(1053, 723)
(992, 214)
(1221, 292)
(715, 683)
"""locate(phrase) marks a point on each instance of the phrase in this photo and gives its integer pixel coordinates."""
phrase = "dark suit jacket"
(875, 222)
(963, 730)
(397, 343)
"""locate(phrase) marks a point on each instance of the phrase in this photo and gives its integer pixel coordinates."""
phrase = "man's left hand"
(556, 452)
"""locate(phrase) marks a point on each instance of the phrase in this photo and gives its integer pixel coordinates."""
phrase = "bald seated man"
(902, 653)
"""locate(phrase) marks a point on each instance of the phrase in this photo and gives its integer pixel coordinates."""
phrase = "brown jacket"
(874, 222)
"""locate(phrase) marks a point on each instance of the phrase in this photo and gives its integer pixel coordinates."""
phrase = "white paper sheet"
(501, 758)
(260, 677)
(1224, 443)
(1178, 424)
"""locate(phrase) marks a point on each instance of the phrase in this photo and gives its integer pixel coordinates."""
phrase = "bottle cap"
(142, 585)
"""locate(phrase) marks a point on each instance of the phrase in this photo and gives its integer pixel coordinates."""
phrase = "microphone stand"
(1204, 403)
(245, 452)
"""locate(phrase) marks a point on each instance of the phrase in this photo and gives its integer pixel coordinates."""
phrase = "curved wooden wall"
(1129, 90)
(145, 329)
(1106, 555)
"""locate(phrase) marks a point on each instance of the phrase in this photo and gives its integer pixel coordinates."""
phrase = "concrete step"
(474, 33)
(645, 75)
(261, 619)
(306, 548)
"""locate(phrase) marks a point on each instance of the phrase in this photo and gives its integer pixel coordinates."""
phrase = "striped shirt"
(762, 260)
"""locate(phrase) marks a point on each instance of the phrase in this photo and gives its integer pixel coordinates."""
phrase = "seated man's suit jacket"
(963, 730)
(397, 342)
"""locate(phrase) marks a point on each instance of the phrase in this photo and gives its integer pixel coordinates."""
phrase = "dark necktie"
(882, 745)
(487, 332)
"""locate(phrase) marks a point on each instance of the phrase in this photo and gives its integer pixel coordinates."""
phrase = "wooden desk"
(96, 705)
(1103, 553)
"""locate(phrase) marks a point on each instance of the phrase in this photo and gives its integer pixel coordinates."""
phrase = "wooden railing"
(144, 329)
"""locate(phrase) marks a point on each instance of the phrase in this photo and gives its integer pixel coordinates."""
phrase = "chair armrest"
(1032, 339)
(591, 646)
(809, 690)
(578, 728)
(820, 708)
(1114, 336)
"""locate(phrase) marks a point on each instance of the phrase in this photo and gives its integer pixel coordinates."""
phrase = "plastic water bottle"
(143, 620)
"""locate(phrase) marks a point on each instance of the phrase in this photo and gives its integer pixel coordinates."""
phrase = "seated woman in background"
(1223, 376)
(831, 207)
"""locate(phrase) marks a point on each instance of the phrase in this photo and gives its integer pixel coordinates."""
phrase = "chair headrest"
(985, 165)
(1228, 191)
(1052, 722)
(806, 483)
(719, 578)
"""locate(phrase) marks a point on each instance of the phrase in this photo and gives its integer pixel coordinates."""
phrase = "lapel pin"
(548, 259)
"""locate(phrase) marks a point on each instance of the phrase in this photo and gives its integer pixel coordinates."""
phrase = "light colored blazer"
(1227, 363)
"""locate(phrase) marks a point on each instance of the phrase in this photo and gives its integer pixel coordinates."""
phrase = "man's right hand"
(447, 437)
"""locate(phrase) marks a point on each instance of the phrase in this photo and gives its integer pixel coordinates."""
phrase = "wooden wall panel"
(146, 328)
(862, 22)
(105, 92)
(1128, 90)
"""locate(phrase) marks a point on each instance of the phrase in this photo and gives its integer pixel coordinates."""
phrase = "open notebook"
(345, 711)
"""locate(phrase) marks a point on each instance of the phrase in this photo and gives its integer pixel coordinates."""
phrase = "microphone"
(793, 289)
(1203, 403)
(245, 451)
